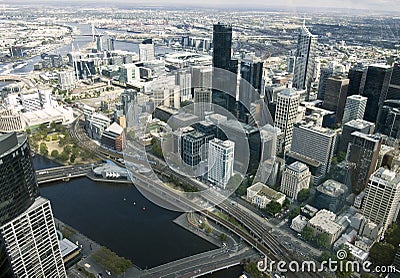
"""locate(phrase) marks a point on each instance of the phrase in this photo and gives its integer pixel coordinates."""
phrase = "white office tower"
(305, 59)
(296, 177)
(66, 79)
(146, 51)
(201, 76)
(382, 196)
(354, 108)
(221, 157)
(287, 105)
(32, 244)
(314, 144)
(183, 78)
(202, 102)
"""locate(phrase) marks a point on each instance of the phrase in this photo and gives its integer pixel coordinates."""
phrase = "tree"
(223, 237)
(208, 230)
(72, 158)
(54, 153)
(294, 212)
(382, 253)
(286, 203)
(307, 233)
(43, 149)
(303, 195)
(273, 207)
(392, 235)
(63, 156)
(323, 240)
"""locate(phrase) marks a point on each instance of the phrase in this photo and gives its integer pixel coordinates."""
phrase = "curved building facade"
(17, 177)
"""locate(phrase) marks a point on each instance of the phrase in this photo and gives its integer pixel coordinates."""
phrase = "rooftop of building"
(369, 137)
(298, 167)
(264, 190)
(115, 128)
(357, 97)
(67, 247)
(358, 124)
(224, 144)
(304, 159)
(389, 177)
(332, 188)
(312, 127)
(324, 219)
(10, 142)
(289, 92)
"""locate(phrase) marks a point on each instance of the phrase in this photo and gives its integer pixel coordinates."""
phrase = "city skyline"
(369, 5)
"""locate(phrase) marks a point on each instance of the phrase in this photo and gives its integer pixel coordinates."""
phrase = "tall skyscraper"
(351, 126)
(314, 142)
(382, 197)
(354, 108)
(326, 72)
(287, 104)
(201, 77)
(355, 76)
(296, 177)
(202, 102)
(222, 43)
(363, 150)
(335, 96)
(146, 50)
(183, 78)
(394, 85)
(305, 59)
(27, 229)
(224, 84)
(221, 157)
(389, 119)
(374, 85)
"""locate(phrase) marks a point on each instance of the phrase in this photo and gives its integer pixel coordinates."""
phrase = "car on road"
(108, 272)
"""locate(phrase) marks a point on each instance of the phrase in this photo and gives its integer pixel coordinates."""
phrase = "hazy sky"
(388, 5)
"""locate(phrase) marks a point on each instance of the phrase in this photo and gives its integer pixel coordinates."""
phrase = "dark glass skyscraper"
(374, 86)
(224, 84)
(222, 43)
(355, 76)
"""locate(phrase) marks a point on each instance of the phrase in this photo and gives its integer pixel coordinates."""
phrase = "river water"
(114, 216)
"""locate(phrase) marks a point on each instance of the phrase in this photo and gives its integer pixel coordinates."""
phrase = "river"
(114, 216)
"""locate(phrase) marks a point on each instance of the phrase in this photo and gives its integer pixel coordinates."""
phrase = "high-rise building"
(326, 72)
(331, 195)
(183, 79)
(394, 85)
(351, 126)
(202, 102)
(363, 149)
(374, 85)
(389, 119)
(355, 76)
(335, 96)
(221, 157)
(194, 147)
(146, 50)
(287, 104)
(382, 197)
(314, 142)
(99, 43)
(222, 43)
(66, 79)
(201, 77)
(28, 235)
(296, 177)
(354, 108)
(305, 59)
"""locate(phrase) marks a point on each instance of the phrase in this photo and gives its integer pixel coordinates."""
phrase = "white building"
(298, 223)
(66, 79)
(129, 73)
(317, 143)
(10, 121)
(296, 177)
(354, 108)
(183, 79)
(31, 242)
(382, 197)
(261, 195)
(146, 51)
(221, 155)
(324, 222)
(287, 104)
(305, 59)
